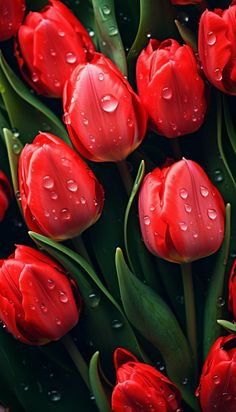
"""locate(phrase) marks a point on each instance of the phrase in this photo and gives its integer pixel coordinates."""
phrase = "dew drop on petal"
(66, 118)
(211, 38)
(183, 193)
(51, 284)
(188, 207)
(218, 74)
(204, 191)
(58, 322)
(212, 214)
(101, 76)
(63, 296)
(72, 185)
(195, 234)
(109, 103)
(48, 182)
(183, 226)
(61, 33)
(34, 77)
(53, 195)
(216, 379)
(43, 308)
(147, 220)
(83, 200)
(65, 214)
(71, 58)
(166, 93)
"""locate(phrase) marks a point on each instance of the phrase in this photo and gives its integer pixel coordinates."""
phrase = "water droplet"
(130, 122)
(194, 118)
(116, 324)
(58, 321)
(160, 366)
(72, 185)
(226, 396)
(43, 308)
(16, 148)
(52, 52)
(166, 93)
(85, 121)
(212, 214)
(61, 33)
(35, 77)
(185, 381)
(94, 300)
(65, 214)
(51, 284)
(170, 397)
(66, 118)
(56, 83)
(71, 58)
(218, 176)
(46, 213)
(195, 234)
(112, 31)
(54, 396)
(66, 162)
(152, 208)
(218, 74)
(31, 307)
(188, 208)
(15, 133)
(53, 195)
(25, 387)
(106, 10)
(17, 195)
(183, 193)
(148, 35)
(63, 297)
(211, 38)
(147, 220)
(183, 226)
(83, 200)
(216, 379)
(48, 182)
(109, 103)
(101, 76)
(91, 32)
(204, 191)
(220, 301)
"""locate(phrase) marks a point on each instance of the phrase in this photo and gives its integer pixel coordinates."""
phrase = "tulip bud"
(50, 45)
(105, 118)
(60, 196)
(5, 194)
(11, 16)
(171, 88)
(232, 290)
(217, 48)
(141, 387)
(181, 213)
(217, 389)
(37, 302)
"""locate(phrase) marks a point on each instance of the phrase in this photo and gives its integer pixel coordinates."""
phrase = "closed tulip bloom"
(105, 118)
(140, 387)
(232, 290)
(11, 16)
(181, 213)
(38, 302)
(5, 194)
(171, 88)
(217, 48)
(50, 45)
(217, 388)
(60, 195)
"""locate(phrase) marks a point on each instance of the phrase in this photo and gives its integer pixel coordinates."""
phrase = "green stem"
(81, 248)
(190, 313)
(77, 358)
(125, 176)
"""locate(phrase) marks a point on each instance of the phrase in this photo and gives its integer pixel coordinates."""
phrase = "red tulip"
(105, 118)
(60, 196)
(5, 194)
(171, 88)
(181, 213)
(11, 16)
(217, 388)
(217, 48)
(232, 290)
(185, 2)
(141, 387)
(37, 302)
(50, 45)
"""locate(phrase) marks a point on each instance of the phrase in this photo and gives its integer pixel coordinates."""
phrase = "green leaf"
(14, 147)
(155, 321)
(229, 326)
(229, 124)
(108, 33)
(156, 20)
(98, 386)
(101, 312)
(213, 308)
(187, 35)
(26, 113)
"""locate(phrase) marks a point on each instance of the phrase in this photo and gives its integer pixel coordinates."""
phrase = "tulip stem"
(77, 358)
(125, 176)
(190, 313)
